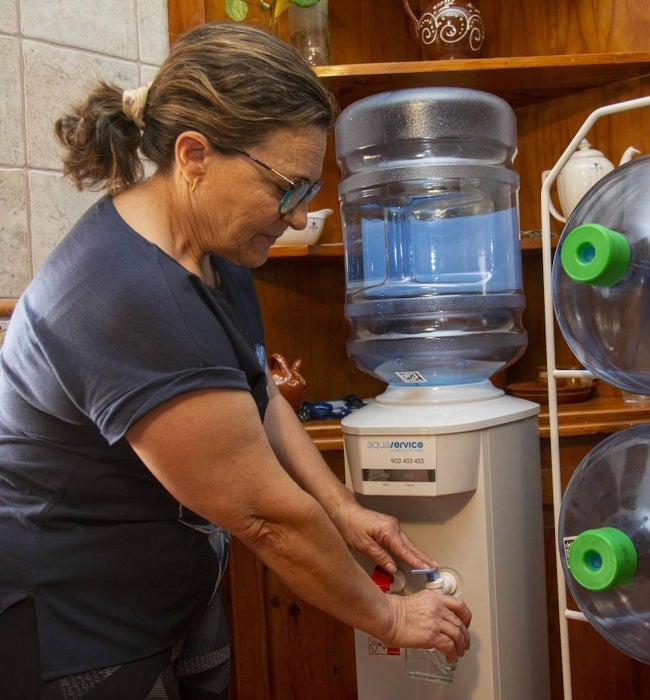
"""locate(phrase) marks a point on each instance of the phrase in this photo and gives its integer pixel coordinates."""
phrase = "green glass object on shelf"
(237, 10)
(302, 23)
(309, 31)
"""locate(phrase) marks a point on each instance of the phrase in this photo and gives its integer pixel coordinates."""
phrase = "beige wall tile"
(55, 207)
(9, 16)
(153, 31)
(51, 53)
(12, 135)
(147, 74)
(55, 77)
(106, 27)
(15, 270)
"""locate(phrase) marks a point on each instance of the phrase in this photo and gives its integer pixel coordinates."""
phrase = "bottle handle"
(551, 206)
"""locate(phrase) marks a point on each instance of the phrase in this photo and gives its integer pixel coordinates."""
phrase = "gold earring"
(194, 184)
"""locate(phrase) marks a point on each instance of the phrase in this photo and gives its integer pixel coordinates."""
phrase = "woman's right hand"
(427, 619)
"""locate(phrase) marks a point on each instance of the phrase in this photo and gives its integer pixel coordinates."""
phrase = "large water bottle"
(431, 232)
(604, 530)
(601, 278)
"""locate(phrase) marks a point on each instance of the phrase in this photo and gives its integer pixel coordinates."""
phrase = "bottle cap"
(602, 558)
(595, 254)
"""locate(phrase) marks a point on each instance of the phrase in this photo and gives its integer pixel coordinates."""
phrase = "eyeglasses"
(299, 190)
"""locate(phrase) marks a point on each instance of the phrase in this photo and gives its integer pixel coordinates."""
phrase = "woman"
(135, 403)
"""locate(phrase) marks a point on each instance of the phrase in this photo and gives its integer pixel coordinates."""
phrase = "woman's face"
(239, 218)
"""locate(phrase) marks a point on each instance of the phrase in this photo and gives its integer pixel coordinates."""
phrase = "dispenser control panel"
(413, 465)
(410, 462)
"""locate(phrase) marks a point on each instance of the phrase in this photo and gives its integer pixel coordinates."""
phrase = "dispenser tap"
(438, 579)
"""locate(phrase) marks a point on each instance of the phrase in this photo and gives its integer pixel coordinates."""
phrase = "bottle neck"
(594, 254)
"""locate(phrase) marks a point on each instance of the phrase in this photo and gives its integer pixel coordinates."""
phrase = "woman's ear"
(192, 150)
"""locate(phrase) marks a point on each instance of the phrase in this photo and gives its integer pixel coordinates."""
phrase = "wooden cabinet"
(555, 62)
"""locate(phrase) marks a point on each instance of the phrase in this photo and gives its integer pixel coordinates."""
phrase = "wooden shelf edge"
(324, 250)
(600, 415)
(7, 306)
(326, 434)
(335, 250)
(522, 81)
(566, 62)
(536, 243)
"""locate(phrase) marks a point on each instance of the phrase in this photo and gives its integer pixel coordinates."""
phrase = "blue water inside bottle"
(434, 299)
(468, 254)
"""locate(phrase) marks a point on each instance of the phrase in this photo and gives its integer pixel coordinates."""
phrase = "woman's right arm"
(209, 450)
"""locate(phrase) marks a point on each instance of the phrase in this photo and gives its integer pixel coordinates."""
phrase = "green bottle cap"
(602, 558)
(596, 255)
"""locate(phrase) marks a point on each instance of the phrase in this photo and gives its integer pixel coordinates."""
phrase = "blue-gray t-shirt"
(110, 328)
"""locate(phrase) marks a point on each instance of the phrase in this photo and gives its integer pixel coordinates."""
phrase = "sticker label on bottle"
(567, 542)
(411, 377)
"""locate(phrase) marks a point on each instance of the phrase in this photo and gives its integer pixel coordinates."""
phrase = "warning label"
(376, 647)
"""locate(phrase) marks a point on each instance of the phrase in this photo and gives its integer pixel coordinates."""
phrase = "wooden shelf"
(335, 250)
(326, 250)
(606, 414)
(326, 434)
(520, 80)
(7, 307)
(601, 414)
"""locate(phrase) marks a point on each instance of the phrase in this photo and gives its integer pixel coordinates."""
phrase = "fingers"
(458, 607)
(458, 634)
(401, 545)
(380, 556)
(426, 619)
(374, 533)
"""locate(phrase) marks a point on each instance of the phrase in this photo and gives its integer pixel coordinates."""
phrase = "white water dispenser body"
(483, 526)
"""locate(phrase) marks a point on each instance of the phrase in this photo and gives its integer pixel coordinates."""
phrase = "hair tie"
(133, 104)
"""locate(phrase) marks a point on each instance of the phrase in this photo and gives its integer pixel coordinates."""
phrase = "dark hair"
(230, 81)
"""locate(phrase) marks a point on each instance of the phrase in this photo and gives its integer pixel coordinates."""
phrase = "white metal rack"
(553, 373)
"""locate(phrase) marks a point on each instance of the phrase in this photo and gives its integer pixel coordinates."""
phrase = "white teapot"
(583, 169)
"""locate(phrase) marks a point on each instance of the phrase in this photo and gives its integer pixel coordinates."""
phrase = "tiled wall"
(51, 53)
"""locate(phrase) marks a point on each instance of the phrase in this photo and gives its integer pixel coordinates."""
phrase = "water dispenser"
(434, 300)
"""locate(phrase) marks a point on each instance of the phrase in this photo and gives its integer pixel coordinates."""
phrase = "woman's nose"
(298, 217)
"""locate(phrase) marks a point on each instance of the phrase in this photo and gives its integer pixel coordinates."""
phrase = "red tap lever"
(382, 578)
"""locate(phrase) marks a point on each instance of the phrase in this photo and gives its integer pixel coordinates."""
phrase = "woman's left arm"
(367, 531)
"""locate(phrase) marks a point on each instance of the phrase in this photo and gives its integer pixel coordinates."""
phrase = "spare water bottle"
(601, 278)
(431, 233)
(604, 531)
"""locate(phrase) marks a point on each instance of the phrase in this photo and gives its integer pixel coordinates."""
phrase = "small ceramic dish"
(308, 235)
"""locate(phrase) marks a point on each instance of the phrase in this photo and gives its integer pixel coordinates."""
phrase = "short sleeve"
(139, 330)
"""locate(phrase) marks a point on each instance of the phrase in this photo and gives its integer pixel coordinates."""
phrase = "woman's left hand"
(377, 535)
